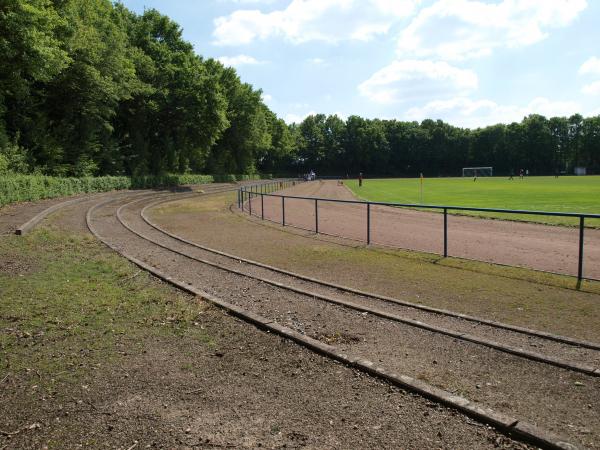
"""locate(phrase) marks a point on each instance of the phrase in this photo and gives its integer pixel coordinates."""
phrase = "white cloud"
(590, 67)
(592, 88)
(316, 61)
(267, 98)
(414, 79)
(314, 20)
(239, 60)
(461, 29)
(297, 118)
(470, 113)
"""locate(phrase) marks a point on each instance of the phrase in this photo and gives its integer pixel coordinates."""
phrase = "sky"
(470, 63)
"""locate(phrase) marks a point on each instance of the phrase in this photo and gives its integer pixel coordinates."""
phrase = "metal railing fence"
(246, 195)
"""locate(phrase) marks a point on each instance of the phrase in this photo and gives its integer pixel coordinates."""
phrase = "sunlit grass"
(563, 194)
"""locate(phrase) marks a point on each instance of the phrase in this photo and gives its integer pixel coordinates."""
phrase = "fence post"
(262, 206)
(316, 215)
(250, 202)
(368, 223)
(283, 211)
(445, 232)
(242, 192)
(580, 265)
(238, 198)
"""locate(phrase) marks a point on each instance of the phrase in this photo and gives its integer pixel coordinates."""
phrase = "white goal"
(478, 172)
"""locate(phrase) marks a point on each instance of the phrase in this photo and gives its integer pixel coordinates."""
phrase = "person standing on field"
(521, 173)
(360, 178)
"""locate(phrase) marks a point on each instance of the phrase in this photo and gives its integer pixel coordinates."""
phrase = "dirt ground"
(548, 248)
(14, 215)
(506, 383)
(180, 374)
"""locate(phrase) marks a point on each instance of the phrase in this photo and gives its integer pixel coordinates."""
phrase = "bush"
(228, 178)
(19, 188)
(3, 164)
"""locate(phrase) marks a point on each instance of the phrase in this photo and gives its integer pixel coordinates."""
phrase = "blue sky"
(470, 63)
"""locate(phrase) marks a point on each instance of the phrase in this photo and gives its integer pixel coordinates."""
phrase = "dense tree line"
(376, 147)
(87, 87)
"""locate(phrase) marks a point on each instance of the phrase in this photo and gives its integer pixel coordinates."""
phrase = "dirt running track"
(255, 390)
(541, 247)
(261, 390)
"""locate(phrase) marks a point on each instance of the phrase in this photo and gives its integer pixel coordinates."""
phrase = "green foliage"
(3, 164)
(155, 181)
(89, 88)
(227, 178)
(17, 188)
(391, 148)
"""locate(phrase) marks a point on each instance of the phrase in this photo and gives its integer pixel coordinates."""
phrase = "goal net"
(478, 171)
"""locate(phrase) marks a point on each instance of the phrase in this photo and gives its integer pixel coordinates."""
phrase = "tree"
(559, 130)
(32, 54)
(83, 99)
(590, 147)
(247, 135)
(178, 113)
(279, 153)
(311, 142)
(575, 139)
(367, 149)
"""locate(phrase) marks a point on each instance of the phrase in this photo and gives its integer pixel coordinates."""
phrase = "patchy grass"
(210, 203)
(513, 295)
(82, 306)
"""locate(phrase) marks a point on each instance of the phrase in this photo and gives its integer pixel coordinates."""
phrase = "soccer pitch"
(563, 194)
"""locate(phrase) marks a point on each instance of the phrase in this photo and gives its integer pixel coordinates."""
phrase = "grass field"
(564, 194)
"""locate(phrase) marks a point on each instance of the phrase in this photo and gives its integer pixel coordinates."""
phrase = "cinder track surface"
(252, 390)
(540, 247)
(557, 399)
(461, 326)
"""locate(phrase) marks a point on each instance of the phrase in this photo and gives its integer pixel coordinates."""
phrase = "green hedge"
(19, 188)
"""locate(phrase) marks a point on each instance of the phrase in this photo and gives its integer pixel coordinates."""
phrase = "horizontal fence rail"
(247, 193)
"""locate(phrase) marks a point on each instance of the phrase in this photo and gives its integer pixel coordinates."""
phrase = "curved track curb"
(522, 431)
(31, 223)
(542, 334)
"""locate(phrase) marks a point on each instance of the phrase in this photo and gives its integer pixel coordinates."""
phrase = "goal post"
(478, 172)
